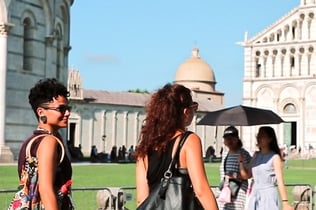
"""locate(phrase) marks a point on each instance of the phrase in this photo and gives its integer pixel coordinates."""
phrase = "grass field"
(87, 178)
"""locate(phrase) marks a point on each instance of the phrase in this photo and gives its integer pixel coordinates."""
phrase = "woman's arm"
(192, 159)
(47, 163)
(278, 168)
(245, 166)
(142, 189)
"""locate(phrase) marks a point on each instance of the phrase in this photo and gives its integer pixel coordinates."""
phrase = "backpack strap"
(28, 155)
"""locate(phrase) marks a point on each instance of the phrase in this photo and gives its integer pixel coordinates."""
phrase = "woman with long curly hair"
(170, 110)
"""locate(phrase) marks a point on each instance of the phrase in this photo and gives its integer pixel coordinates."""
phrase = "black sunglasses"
(194, 105)
(62, 108)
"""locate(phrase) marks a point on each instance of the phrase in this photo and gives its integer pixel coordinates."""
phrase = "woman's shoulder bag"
(174, 192)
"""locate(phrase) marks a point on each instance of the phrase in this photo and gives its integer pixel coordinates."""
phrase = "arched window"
(27, 44)
(60, 52)
(289, 108)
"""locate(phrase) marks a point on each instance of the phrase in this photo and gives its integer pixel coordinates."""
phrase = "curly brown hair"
(164, 117)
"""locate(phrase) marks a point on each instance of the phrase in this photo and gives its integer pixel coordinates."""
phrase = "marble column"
(6, 154)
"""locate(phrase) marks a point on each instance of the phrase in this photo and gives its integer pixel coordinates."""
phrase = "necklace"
(44, 130)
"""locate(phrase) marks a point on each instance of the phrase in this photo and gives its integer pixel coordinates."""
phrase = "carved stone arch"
(28, 14)
(309, 99)
(48, 13)
(66, 22)
(289, 106)
(308, 86)
(310, 92)
(265, 96)
(289, 90)
(59, 31)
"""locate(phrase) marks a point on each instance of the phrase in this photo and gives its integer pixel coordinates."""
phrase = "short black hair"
(45, 90)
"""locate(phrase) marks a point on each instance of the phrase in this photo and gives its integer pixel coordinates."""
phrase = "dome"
(196, 73)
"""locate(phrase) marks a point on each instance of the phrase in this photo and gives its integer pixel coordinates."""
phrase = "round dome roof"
(195, 69)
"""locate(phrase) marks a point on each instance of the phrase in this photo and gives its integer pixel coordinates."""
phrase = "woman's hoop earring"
(43, 118)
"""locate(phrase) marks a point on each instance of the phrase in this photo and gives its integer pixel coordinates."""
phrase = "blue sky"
(120, 45)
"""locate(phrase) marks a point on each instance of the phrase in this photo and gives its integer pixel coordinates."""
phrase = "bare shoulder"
(277, 158)
(51, 141)
(193, 140)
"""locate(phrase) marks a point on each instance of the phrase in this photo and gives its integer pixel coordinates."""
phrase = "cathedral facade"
(280, 74)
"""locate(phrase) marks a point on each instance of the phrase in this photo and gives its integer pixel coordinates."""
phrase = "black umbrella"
(240, 115)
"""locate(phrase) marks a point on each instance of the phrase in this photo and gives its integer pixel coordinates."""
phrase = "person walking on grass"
(230, 168)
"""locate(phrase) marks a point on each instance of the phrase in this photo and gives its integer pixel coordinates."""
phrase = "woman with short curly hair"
(49, 101)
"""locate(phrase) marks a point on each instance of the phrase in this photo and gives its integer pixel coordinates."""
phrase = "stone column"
(114, 128)
(125, 129)
(136, 129)
(103, 131)
(6, 154)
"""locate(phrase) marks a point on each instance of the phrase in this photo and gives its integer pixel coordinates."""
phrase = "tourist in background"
(269, 190)
(230, 168)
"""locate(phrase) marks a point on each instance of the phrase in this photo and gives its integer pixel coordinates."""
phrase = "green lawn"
(87, 178)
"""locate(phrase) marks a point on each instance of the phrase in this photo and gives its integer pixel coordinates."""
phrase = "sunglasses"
(194, 106)
(62, 108)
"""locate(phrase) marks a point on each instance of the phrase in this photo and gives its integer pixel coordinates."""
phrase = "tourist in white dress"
(268, 192)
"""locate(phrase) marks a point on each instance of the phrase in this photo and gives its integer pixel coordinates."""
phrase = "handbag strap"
(29, 145)
(168, 173)
(175, 157)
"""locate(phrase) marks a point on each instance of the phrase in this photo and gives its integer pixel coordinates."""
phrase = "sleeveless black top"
(157, 165)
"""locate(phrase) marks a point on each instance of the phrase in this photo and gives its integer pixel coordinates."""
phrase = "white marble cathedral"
(34, 44)
(280, 74)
